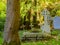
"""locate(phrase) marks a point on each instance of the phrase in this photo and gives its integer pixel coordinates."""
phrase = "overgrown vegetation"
(30, 12)
(2, 14)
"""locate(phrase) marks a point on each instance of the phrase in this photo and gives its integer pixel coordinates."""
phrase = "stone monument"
(45, 27)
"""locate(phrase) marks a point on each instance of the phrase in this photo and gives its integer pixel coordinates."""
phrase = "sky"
(56, 22)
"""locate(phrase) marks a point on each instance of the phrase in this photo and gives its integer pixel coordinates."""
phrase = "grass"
(41, 42)
(49, 42)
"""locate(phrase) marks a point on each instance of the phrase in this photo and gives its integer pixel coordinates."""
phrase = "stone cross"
(23, 26)
(46, 26)
(31, 25)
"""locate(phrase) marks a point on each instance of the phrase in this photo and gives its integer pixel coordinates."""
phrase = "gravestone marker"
(46, 26)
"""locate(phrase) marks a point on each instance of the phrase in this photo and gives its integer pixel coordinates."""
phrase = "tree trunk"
(11, 36)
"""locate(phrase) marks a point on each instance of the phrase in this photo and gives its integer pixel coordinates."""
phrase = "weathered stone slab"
(34, 36)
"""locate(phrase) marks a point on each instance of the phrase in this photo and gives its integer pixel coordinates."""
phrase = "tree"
(11, 36)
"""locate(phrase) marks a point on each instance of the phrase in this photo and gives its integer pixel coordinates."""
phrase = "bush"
(55, 32)
(2, 14)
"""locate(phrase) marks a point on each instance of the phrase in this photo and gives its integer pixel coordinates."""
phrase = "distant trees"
(37, 6)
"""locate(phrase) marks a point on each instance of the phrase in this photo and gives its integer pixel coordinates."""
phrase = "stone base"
(35, 36)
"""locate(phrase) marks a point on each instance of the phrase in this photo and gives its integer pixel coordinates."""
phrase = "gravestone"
(46, 26)
(56, 22)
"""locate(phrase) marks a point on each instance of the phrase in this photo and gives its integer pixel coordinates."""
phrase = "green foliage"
(54, 32)
(58, 13)
(2, 14)
(1, 37)
(37, 5)
(2, 6)
(52, 5)
(24, 7)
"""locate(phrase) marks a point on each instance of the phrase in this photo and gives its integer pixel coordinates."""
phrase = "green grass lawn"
(49, 42)
(55, 41)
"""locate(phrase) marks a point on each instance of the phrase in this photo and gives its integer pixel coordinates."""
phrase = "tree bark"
(11, 36)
